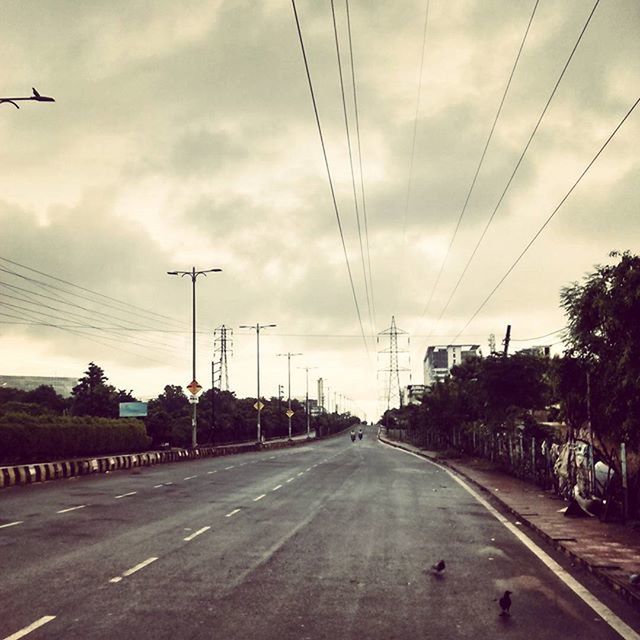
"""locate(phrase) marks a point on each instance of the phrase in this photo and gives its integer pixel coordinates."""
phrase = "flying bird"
(439, 567)
(505, 603)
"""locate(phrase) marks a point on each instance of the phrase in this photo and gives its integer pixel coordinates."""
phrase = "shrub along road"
(325, 541)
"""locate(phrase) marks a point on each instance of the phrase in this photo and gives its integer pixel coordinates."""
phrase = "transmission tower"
(222, 346)
(398, 355)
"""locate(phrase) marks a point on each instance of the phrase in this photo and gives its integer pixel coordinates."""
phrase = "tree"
(604, 335)
(92, 396)
(168, 417)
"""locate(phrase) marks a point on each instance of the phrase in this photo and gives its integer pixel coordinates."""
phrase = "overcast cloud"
(183, 134)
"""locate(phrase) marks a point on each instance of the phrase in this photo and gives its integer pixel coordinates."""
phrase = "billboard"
(133, 409)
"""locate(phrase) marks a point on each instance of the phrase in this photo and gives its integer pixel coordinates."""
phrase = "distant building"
(539, 350)
(440, 359)
(62, 386)
(413, 394)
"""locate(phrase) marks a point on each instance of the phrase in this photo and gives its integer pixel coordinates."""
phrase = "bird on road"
(505, 603)
(439, 567)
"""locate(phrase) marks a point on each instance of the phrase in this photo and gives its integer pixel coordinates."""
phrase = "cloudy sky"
(183, 134)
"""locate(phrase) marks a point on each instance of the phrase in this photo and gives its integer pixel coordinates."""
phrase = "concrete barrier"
(45, 471)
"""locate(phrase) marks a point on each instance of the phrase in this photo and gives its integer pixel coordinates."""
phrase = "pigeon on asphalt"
(439, 567)
(505, 604)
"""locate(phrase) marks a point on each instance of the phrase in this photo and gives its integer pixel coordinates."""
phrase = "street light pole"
(193, 274)
(257, 327)
(289, 413)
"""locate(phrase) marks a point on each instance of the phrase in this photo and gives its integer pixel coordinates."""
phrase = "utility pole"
(193, 386)
(289, 412)
(307, 401)
(507, 339)
(280, 396)
(393, 385)
(492, 343)
(258, 405)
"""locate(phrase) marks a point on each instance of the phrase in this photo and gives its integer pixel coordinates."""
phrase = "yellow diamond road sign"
(194, 387)
(258, 406)
(289, 413)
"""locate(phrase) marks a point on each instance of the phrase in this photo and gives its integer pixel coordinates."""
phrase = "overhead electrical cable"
(546, 222)
(364, 201)
(326, 163)
(546, 335)
(95, 293)
(415, 124)
(353, 177)
(117, 328)
(517, 166)
(481, 161)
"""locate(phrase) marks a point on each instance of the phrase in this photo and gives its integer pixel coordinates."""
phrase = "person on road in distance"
(353, 435)
(360, 433)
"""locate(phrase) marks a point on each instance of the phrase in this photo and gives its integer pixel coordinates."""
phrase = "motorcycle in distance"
(360, 434)
(353, 436)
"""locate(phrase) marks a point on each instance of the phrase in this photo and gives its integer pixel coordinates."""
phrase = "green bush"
(33, 438)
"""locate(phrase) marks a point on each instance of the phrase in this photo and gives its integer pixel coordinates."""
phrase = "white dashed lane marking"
(232, 513)
(80, 506)
(276, 488)
(190, 477)
(259, 497)
(126, 495)
(131, 571)
(11, 524)
(290, 479)
(196, 534)
(227, 468)
(32, 627)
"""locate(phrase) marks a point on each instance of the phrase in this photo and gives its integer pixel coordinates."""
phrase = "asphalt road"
(330, 540)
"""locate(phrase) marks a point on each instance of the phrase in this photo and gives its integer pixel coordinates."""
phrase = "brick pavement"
(610, 551)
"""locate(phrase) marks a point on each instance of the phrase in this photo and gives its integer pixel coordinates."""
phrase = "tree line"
(31, 421)
(592, 391)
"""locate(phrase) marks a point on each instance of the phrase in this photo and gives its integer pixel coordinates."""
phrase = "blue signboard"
(133, 409)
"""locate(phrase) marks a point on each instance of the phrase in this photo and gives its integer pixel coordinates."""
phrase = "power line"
(353, 177)
(546, 335)
(546, 222)
(326, 163)
(517, 166)
(364, 202)
(96, 293)
(479, 167)
(415, 122)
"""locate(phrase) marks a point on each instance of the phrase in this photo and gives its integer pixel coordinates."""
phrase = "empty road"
(327, 541)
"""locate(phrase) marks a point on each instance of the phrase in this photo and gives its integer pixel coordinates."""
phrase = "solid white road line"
(131, 571)
(81, 506)
(32, 627)
(125, 495)
(582, 592)
(231, 513)
(11, 524)
(276, 488)
(196, 534)
(259, 497)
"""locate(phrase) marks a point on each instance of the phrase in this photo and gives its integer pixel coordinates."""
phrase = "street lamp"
(257, 327)
(36, 96)
(289, 412)
(307, 401)
(193, 274)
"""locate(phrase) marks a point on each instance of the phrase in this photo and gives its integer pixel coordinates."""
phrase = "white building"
(440, 359)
